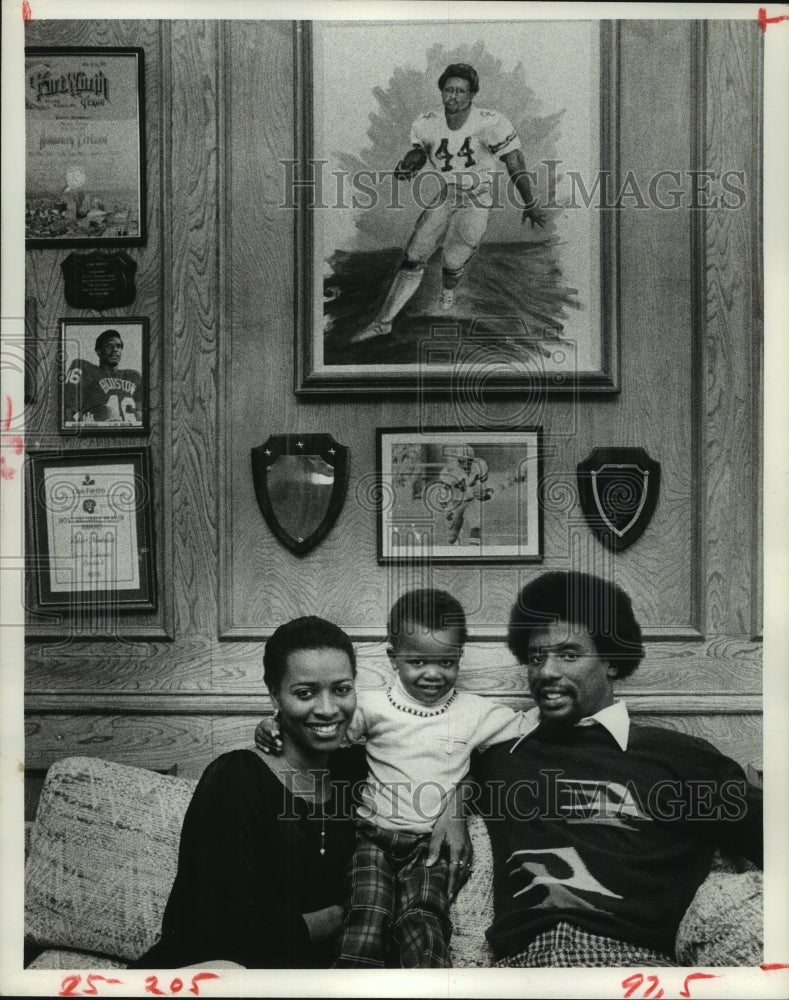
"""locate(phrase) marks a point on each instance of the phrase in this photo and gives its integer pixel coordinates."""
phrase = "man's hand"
(411, 164)
(516, 167)
(450, 835)
(535, 215)
(267, 737)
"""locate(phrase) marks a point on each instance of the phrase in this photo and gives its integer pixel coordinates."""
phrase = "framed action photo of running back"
(103, 373)
(453, 496)
(455, 189)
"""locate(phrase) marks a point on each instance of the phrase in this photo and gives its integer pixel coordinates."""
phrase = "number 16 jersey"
(95, 395)
(467, 156)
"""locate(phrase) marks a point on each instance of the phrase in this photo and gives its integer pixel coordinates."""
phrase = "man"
(464, 145)
(102, 394)
(601, 830)
(464, 478)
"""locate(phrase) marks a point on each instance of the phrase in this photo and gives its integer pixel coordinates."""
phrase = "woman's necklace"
(285, 768)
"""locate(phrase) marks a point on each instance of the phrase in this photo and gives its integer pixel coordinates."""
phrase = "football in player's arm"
(416, 157)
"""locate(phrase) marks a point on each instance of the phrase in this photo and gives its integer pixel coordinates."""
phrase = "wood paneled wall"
(216, 280)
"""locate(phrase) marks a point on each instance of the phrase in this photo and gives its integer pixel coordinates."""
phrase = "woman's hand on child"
(267, 737)
(324, 925)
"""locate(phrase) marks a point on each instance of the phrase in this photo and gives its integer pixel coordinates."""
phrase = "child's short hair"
(429, 609)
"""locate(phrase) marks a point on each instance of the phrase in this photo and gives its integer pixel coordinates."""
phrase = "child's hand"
(267, 736)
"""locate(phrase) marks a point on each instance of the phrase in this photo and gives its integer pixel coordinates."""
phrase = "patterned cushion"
(103, 855)
(472, 911)
(60, 958)
(724, 924)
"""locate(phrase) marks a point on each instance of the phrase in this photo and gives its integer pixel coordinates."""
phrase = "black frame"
(97, 241)
(104, 429)
(140, 598)
(492, 437)
(279, 445)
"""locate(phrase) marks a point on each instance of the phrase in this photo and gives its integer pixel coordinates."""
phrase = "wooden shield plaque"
(300, 483)
(619, 489)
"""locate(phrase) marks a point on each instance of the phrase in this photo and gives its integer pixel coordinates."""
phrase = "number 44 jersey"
(96, 396)
(470, 155)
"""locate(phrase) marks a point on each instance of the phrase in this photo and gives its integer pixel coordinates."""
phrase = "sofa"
(102, 853)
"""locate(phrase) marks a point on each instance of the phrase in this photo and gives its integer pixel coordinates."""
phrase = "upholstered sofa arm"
(103, 855)
(724, 924)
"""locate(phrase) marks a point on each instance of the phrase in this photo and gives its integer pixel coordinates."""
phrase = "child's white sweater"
(416, 754)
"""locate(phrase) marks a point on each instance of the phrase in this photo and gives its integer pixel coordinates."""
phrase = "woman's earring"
(275, 716)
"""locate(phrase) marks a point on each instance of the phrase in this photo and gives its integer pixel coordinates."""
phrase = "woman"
(265, 840)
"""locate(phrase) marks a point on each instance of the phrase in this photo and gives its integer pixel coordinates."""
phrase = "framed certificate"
(93, 528)
(85, 147)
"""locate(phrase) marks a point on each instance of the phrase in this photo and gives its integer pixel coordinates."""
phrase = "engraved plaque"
(99, 280)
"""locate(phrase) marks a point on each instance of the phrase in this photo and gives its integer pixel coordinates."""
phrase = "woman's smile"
(316, 699)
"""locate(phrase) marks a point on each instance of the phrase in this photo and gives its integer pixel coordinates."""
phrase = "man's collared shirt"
(614, 718)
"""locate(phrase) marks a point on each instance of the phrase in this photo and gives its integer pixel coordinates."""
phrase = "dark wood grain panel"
(341, 579)
(655, 408)
(720, 666)
(154, 741)
(194, 220)
(192, 741)
(128, 705)
(44, 282)
(260, 357)
(732, 478)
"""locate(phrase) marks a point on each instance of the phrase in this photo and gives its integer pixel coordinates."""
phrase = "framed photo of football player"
(85, 147)
(103, 376)
(93, 528)
(453, 496)
(447, 186)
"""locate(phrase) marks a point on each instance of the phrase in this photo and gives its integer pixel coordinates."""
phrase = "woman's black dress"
(249, 866)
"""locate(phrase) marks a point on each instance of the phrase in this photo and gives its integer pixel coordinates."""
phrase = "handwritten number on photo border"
(69, 985)
(68, 988)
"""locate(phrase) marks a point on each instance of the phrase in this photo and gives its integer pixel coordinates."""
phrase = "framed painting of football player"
(103, 376)
(449, 186)
(453, 496)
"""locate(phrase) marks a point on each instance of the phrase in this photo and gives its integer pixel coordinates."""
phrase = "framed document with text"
(93, 528)
(85, 147)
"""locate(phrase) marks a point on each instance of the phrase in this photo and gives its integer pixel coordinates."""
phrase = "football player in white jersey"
(464, 479)
(464, 145)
